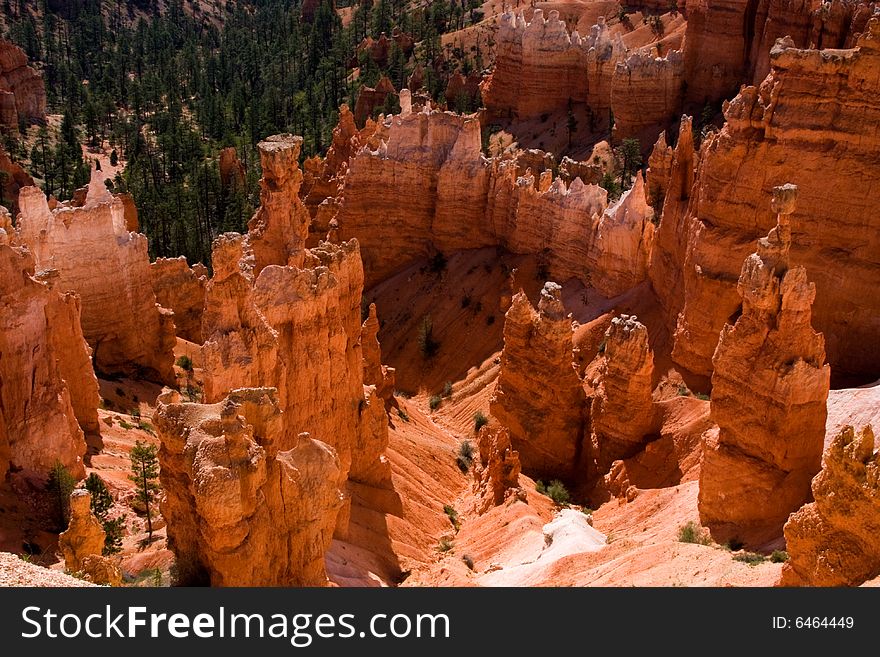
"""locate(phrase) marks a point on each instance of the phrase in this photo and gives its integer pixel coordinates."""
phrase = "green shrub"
(452, 514)
(60, 485)
(779, 556)
(555, 490)
(185, 363)
(702, 396)
(403, 414)
(691, 532)
(480, 421)
(434, 402)
(125, 425)
(143, 425)
(468, 561)
(447, 389)
(683, 391)
(445, 545)
(751, 558)
(465, 456)
(427, 344)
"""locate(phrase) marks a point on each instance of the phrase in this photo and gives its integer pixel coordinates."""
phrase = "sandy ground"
(14, 571)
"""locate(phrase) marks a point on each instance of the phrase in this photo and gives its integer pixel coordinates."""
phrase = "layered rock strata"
(810, 122)
(622, 413)
(181, 289)
(769, 389)
(48, 390)
(496, 479)
(545, 420)
(96, 256)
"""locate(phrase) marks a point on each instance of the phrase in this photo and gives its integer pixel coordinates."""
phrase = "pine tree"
(102, 501)
(59, 486)
(144, 473)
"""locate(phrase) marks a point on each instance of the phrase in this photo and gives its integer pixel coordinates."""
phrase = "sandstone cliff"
(812, 116)
(22, 92)
(769, 390)
(545, 417)
(181, 289)
(109, 268)
(46, 381)
(833, 540)
(247, 502)
(622, 412)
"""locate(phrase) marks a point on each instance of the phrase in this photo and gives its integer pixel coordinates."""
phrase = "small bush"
(437, 263)
(751, 558)
(702, 396)
(143, 425)
(403, 414)
(185, 363)
(427, 344)
(480, 421)
(733, 545)
(447, 389)
(465, 456)
(452, 514)
(602, 346)
(434, 402)
(555, 490)
(779, 556)
(136, 412)
(683, 391)
(691, 532)
(125, 425)
(445, 545)
(468, 561)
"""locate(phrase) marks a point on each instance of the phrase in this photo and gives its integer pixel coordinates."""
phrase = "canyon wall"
(181, 289)
(810, 122)
(108, 267)
(426, 186)
(769, 389)
(541, 68)
(833, 540)
(46, 381)
(22, 91)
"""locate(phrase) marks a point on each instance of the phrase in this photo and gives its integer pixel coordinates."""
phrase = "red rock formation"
(278, 230)
(545, 417)
(182, 290)
(375, 373)
(540, 67)
(108, 267)
(621, 243)
(813, 114)
(769, 390)
(659, 171)
(247, 502)
(370, 100)
(294, 323)
(428, 188)
(15, 179)
(232, 172)
(496, 479)
(84, 536)
(622, 412)
(670, 239)
(22, 92)
(646, 95)
(46, 381)
(461, 90)
(833, 540)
